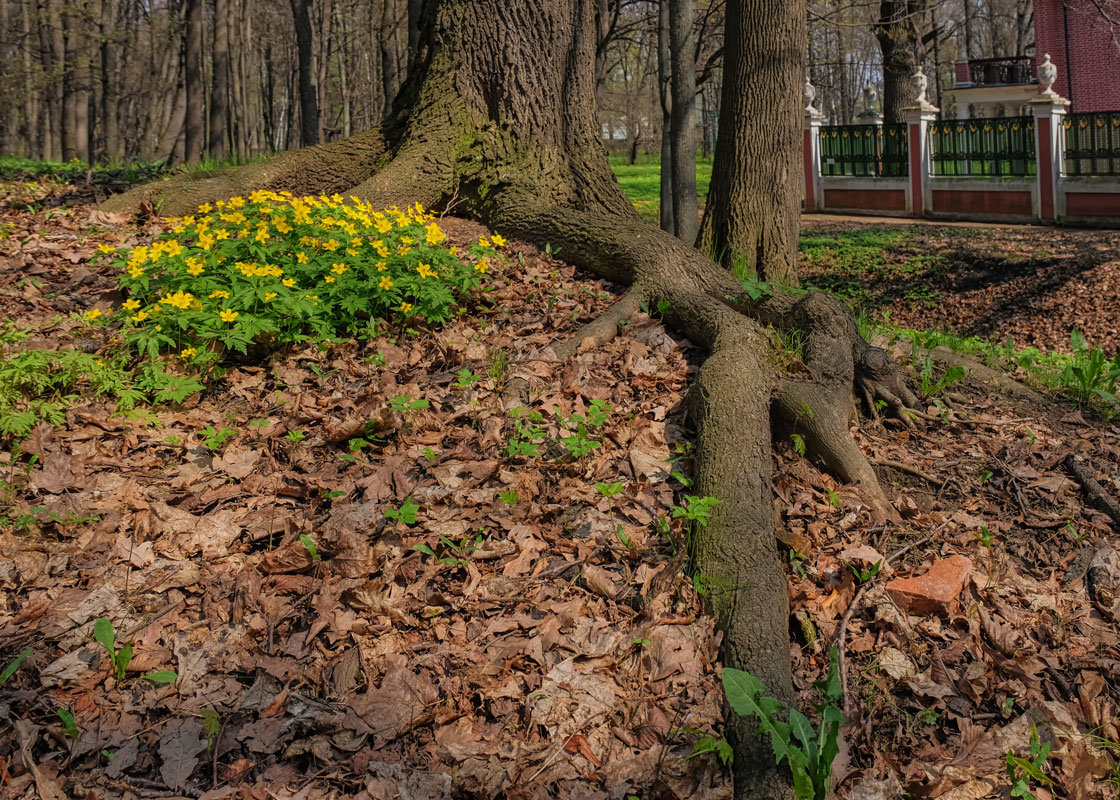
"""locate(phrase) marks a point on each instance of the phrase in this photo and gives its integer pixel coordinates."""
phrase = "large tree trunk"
(751, 217)
(898, 31)
(500, 114)
(686, 212)
(110, 85)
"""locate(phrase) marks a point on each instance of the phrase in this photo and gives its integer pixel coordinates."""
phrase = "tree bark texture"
(308, 97)
(194, 123)
(219, 89)
(898, 33)
(686, 211)
(664, 77)
(499, 114)
(751, 217)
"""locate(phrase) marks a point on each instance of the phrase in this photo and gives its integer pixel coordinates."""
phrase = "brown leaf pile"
(552, 646)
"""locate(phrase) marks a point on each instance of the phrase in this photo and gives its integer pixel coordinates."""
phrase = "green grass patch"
(641, 182)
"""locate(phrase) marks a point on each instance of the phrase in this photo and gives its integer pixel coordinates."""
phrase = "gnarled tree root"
(732, 401)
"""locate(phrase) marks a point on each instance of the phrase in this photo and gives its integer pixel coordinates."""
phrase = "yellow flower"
(301, 258)
(406, 307)
(229, 315)
(482, 266)
(179, 299)
(483, 241)
(289, 282)
(435, 235)
(221, 234)
(385, 282)
(329, 279)
(205, 208)
(219, 293)
(205, 241)
(139, 316)
(339, 269)
(269, 296)
(194, 267)
(381, 266)
(131, 305)
(383, 226)
(425, 270)
(92, 314)
(406, 240)
(453, 250)
(330, 244)
(159, 327)
(498, 240)
(104, 248)
(187, 352)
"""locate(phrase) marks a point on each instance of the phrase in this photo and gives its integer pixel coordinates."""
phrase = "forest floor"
(531, 634)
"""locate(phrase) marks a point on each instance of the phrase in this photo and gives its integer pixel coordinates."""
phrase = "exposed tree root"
(322, 169)
(737, 392)
(596, 333)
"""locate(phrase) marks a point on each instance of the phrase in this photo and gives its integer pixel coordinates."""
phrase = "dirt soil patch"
(1031, 283)
(531, 634)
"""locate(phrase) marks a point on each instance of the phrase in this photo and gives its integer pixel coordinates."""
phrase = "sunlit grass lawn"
(642, 182)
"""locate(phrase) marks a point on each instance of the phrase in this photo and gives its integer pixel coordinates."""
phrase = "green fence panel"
(992, 147)
(1092, 144)
(867, 151)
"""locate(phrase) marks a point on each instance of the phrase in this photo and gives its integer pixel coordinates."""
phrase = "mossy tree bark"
(498, 114)
(751, 218)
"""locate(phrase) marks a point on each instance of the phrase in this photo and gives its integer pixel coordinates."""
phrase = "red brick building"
(1083, 40)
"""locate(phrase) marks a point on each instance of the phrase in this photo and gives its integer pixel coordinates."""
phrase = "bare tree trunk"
(110, 85)
(344, 75)
(219, 88)
(898, 31)
(308, 97)
(194, 133)
(664, 77)
(32, 103)
(751, 218)
(415, 11)
(686, 213)
(390, 77)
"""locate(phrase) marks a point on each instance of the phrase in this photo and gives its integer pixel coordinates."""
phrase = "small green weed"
(10, 670)
(406, 514)
(609, 489)
(216, 439)
(1023, 772)
(809, 753)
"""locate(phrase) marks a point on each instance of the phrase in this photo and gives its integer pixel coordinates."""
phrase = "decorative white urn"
(1047, 74)
(810, 96)
(920, 83)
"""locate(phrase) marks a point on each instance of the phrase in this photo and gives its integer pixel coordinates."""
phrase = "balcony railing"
(997, 71)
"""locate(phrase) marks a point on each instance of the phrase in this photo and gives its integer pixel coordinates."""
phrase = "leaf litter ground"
(543, 651)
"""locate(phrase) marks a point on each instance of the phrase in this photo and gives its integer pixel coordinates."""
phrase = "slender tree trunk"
(110, 95)
(219, 87)
(686, 213)
(308, 97)
(194, 132)
(390, 78)
(32, 102)
(664, 78)
(344, 75)
(751, 218)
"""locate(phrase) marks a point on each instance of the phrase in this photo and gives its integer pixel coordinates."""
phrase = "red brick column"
(1048, 113)
(918, 191)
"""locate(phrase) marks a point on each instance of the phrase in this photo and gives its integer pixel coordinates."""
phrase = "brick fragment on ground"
(937, 591)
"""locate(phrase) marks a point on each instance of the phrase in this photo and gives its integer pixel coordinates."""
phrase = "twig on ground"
(1095, 491)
